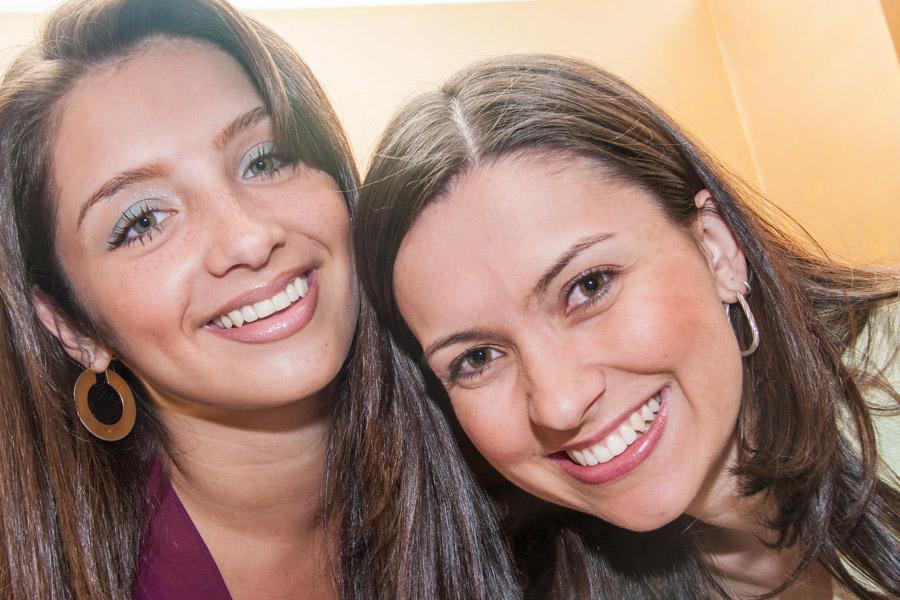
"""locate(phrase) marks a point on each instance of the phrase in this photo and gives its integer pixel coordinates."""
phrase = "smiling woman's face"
(174, 212)
(580, 335)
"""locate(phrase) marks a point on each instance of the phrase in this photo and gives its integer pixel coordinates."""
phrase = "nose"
(240, 234)
(562, 389)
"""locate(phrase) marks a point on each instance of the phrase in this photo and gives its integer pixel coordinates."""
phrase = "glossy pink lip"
(613, 425)
(279, 325)
(626, 462)
(261, 292)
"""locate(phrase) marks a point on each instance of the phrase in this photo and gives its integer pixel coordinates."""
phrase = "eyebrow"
(454, 338)
(543, 283)
(119, 182)
(563, 261)
(240, 124)
(143, 173)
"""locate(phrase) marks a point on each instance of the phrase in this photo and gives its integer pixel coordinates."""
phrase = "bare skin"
(557, 301)
(213, 221)
(256, 499)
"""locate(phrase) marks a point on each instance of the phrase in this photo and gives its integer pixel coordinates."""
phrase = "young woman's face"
(571, 323)
(174, 214)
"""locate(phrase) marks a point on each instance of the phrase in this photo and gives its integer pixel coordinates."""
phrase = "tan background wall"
(799, 97)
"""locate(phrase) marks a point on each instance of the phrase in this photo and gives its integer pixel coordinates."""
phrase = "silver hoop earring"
(754, 330)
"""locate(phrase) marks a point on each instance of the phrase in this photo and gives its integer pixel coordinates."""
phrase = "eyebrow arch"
(561, 263)
(119, 182)
(241, 123)
(454, 338)
(132, 176)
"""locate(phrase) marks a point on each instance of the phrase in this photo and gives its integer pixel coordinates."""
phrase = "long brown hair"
(805, 431)
(73, 506)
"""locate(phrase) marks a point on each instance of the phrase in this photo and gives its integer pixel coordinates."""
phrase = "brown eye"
(473, 363)
(590, 285)
(476, 359)
(588, 289)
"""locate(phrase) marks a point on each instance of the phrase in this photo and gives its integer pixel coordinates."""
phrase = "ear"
(725, 258)
(80, 348)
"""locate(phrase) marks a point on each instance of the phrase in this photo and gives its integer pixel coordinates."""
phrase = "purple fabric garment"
(175, 563)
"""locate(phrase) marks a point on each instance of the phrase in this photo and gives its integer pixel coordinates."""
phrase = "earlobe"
(80, 348)
(725, 258)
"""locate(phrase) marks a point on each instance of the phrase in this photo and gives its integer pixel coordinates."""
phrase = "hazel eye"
(263, 164)
(260, 162)
(138, 224)
(145, 223)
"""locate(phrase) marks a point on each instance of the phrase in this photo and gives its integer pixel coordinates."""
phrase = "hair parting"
(805, 429)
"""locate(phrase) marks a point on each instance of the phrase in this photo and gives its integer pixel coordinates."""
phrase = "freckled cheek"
(142, 305)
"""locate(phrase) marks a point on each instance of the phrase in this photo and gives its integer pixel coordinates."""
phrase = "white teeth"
(281, 301)
(264, 308)
(603, 455)
(301, 285)
(626, 434)
(636, 421)
(237, 318)
(616, 444)
(293, 291)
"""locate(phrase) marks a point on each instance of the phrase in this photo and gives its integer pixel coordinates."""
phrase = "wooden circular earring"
(116, 430)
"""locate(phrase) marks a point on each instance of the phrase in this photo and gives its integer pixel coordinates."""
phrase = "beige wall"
(798, 97)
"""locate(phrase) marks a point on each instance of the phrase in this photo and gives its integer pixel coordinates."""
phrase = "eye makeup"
(138, 223)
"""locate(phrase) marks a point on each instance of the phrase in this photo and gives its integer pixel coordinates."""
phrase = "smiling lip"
(279, 325)
(624, 463)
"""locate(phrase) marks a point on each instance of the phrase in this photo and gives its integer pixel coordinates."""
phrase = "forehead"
(502, 224)
(170, 94)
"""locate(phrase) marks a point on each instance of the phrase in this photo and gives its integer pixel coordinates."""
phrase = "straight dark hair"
(805, 431)
(74, 507)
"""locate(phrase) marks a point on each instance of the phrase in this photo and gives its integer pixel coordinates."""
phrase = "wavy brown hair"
(805, 431)
(74, 507)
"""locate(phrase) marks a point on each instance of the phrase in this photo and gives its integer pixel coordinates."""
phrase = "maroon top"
(174, 561)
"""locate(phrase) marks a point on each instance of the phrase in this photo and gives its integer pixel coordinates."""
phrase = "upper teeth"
(625, 434)
(260, 310)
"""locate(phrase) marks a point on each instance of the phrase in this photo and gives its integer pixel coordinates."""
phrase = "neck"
(256, 471)
(732, 533)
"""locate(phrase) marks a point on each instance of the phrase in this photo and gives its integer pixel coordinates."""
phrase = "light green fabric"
(883, 333)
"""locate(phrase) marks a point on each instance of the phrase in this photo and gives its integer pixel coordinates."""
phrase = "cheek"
(496, 424)
(140, 305)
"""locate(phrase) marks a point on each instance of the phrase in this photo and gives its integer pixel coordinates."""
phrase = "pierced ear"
(80, 348)
(725, 258)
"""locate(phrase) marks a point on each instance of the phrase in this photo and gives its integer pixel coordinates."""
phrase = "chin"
(642, 514)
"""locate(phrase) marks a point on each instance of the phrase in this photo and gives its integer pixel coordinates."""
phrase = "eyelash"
(261, 151)
(606, 275)
(456, 373)
(128, 220)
